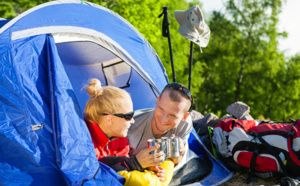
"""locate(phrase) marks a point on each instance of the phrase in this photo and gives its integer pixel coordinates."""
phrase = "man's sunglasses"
(182, 89)
(128, 116)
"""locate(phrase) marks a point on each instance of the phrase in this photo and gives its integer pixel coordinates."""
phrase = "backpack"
(263, 148)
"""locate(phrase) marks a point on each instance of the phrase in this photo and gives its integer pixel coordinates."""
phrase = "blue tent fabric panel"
(38, 92)
(24, 104)
(13, 176)
(70, 133)
(219, 173)
(139, 87)
(3, 22)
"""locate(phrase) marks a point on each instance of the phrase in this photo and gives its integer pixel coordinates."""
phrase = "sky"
(287, 22)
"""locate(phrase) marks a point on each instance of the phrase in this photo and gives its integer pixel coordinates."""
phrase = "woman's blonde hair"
(103, 100)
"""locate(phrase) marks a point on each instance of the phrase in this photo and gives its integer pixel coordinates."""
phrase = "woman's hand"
(146, 159)
(159, 171)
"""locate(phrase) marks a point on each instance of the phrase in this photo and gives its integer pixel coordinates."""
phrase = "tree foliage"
(241, 63)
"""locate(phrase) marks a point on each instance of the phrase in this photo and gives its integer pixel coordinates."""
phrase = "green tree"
(6, 10)
(287, 94)
(17, 6)
(243, 62)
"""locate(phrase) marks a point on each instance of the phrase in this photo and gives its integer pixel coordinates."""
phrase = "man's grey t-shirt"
(141, 130)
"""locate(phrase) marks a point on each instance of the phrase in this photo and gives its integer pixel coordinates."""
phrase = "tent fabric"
(219, 173)
(86, 18)
(48, 54)
(61, 146)
(3, 21)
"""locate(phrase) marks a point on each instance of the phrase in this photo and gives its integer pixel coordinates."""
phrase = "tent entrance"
(85, 57)
(80, 53)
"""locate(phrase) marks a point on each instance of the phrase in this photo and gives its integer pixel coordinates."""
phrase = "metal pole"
(170, 45)
(191, 64)
(171, 57)
(166, 33)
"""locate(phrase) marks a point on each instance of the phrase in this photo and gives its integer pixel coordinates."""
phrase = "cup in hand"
(172, 146)
(162, 144)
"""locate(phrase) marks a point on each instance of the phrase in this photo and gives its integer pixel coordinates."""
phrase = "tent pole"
(191, 64)
(166, 33)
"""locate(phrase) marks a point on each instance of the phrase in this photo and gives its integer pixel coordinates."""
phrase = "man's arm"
(187, 130)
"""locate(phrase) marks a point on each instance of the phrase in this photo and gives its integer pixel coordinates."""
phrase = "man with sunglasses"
(169, 118)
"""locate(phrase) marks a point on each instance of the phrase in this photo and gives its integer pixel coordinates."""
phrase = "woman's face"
(119, 126)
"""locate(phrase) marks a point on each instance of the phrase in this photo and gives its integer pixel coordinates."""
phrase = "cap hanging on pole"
(193, 28)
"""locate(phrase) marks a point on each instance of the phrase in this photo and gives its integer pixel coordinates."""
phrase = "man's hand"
(159, 171)
(146, 159)
(181, 151)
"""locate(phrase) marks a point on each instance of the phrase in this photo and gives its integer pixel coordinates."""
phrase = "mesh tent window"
(117, 73)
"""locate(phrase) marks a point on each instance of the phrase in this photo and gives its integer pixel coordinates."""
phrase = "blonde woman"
(109, 115)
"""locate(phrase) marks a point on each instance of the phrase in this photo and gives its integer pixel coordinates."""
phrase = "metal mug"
(162, 144)
(166, 141)
(173, 145)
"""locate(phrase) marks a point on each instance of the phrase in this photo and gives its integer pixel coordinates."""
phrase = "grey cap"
(193, 26)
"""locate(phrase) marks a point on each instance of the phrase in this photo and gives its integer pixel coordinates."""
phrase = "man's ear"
(185, 116)
(157, 100)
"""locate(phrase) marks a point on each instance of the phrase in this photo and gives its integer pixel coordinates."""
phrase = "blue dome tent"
(48, 54)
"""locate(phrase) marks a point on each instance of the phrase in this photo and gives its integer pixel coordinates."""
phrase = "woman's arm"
(119, 163)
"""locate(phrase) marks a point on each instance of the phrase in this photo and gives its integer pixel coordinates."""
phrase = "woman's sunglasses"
(128, 116)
